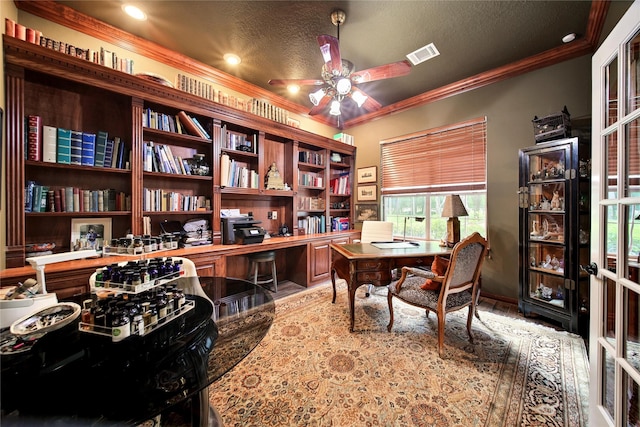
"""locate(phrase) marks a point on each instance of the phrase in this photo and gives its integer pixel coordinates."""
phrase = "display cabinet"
(554, 231)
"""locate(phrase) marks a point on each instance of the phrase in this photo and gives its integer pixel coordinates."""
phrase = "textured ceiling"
(277, 39)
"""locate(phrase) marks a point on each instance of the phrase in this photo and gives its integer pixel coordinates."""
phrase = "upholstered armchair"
(454, 289)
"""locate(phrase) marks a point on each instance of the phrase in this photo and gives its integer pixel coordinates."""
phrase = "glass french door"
(614, 338)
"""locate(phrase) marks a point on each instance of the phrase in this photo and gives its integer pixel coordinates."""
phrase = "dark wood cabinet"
(554, 198)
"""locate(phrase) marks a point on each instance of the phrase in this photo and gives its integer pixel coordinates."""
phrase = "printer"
(241, 230)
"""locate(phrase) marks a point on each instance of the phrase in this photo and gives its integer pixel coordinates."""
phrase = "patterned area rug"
(310, 371)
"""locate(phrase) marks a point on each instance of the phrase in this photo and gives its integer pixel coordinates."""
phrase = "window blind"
(447, 159)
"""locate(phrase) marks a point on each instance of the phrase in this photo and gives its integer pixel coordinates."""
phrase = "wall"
(509, 107)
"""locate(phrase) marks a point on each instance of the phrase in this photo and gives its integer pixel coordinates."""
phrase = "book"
(28, 195)
(88, 149)
(34, 138)
(101, 147)
(49, 143)
(201, 128)
(189, 125)
(116, 149)
(108, 153)
(68, 193)
(76, 147)
(64, 146)
(120, 154)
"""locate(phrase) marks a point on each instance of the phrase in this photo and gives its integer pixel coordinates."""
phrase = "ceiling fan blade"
(321, 105)
(330, 49)
(387, 71)
(299, 82)
(369, 104)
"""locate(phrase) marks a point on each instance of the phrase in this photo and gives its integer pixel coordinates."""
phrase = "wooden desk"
(363, 264)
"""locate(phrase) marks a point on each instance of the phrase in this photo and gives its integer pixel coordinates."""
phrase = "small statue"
(555, 201)
(273, 180)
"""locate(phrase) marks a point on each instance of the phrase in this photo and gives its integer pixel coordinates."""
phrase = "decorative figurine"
(556, 202)
(273, 180)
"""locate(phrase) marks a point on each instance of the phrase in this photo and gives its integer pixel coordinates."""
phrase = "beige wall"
(509, 107)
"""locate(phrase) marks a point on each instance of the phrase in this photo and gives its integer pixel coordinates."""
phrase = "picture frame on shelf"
(367, 193)
(367, 175)
(366, 212)
(89, 233)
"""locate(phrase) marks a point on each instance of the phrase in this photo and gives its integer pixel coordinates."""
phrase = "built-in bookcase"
(158, 156)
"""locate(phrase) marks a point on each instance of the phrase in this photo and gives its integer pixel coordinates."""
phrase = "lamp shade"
(453, 207)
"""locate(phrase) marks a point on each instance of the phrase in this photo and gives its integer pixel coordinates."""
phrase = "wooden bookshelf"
(72, 93)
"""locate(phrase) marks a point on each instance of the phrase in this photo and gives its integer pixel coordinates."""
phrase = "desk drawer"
(372, 265)
(383, 276)
(413, 262)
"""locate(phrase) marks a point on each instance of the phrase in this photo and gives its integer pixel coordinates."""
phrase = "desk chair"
(376, 231)
(456, 289)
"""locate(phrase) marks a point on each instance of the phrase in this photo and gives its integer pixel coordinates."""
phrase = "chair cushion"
(412, 292)
(438, 267)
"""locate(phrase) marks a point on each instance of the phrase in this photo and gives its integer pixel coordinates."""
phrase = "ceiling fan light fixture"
(359, 98)
(343, 86)
(335, 108)
(316, 96)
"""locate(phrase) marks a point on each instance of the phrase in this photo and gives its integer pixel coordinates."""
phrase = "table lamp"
(453, 208)
(417, 218)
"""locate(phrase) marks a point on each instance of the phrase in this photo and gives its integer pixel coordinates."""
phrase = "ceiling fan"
(339, 78)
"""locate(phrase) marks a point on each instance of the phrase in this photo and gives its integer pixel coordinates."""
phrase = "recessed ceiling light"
(293, 88)
(134, 12)
(569, 38)
(232, 58)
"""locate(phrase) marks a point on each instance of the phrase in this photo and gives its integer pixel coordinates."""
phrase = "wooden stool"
(254, 267)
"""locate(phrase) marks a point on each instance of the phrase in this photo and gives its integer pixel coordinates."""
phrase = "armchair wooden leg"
(390, 303)
(441, 317)
(472, 309)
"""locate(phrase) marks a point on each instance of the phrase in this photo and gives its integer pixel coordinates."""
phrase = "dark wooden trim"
(70, 18)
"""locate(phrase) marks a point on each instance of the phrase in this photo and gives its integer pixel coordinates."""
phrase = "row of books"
(237, 174)
(42, 198)
(158, 199)
(340, 223)
(311, 157)
(312, 224)
(73, 147)
(340, 184)
(160, 158)
(344, 137)
(310, 179)
(311, 204)
(182, 123)
(258, 107)
(238, 141)
(103, 56)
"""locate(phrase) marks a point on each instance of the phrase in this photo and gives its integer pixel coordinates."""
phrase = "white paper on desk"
(394, 245)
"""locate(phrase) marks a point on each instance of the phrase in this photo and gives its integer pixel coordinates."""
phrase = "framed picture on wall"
(369, 174)
(367, 193)
(89, 233)
(366, 212)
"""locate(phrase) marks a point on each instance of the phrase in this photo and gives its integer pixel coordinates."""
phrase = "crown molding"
(65, 16)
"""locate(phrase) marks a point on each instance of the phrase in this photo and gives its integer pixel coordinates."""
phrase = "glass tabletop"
(76, 378)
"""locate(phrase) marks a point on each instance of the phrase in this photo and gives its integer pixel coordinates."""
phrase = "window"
(419, 170)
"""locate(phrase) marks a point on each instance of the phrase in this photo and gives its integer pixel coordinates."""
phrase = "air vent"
(424, 53)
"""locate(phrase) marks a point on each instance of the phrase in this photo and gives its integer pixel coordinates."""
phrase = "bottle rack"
(135, 289)
(162, 321)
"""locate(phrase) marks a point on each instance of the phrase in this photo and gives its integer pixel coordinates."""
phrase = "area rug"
(311, 371)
